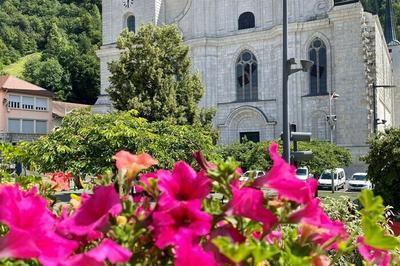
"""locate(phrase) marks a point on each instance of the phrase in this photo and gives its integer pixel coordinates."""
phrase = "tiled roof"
(14, 84)
(60, 109)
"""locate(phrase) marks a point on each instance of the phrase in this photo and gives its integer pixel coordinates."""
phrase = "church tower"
(394, 49)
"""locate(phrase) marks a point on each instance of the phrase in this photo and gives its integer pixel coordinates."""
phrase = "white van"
(339, 179)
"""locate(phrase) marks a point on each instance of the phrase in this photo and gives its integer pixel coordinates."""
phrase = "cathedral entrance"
(246, 123)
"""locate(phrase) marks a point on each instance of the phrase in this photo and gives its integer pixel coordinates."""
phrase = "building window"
(130, 22)
(28, 126)
(318, 72)
(14, 125)
(41, 104)
(41, 127)
(28, 102)
(246, 21)
(14, 101)
(249, 136)
(246, 77)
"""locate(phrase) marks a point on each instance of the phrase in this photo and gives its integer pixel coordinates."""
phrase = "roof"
(13, 84)
(61, 109)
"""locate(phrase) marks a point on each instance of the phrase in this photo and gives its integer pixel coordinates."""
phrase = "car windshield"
(359, 177)
(301, 171)
(327, 176)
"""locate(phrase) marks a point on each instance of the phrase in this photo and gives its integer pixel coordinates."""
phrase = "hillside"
(17, 69)
(66, 32)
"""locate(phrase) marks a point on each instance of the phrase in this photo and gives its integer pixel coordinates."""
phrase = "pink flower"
(274, 236)
(93, 214)
(373, 255)
(204, 164)
(183, 185)
(107, 250)
(31, 227)
(61, 181)
(249, 203)
(185, 218)
(189, 254)
(282, 178)
(130, 165)
(313, 214)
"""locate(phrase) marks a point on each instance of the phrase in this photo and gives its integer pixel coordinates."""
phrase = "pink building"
(25, 110)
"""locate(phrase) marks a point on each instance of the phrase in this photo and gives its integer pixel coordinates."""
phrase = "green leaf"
(373, 206)
(376, 237)
(235, 252)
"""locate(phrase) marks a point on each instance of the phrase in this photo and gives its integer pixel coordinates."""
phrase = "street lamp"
(377, 121)
(331, 117)
(287, 70)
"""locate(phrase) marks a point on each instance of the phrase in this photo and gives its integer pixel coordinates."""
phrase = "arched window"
(130, 23)
(246, 21)
(246, 77)
(318, 73)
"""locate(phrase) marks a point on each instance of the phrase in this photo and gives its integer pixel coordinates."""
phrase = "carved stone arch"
(125, 18)
(243, 119)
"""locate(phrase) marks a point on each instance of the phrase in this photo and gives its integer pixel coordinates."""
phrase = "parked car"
(339, 179)
(303, 173)
(359, 181)
(251, 174)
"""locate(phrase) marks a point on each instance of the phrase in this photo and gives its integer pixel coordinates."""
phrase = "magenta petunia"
(249, 202)
(314, 215)
(183, 185)
(185, 218)
(108, 250)
(189, 254)
(282, 178)
(373, 255)
(93, 214)
(31, 227)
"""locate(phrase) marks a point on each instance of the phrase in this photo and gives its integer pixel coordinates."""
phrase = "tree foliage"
(383, 162)
(154, 76)
(66, 31)
(84, 144)
(254, 156)
(379, 7)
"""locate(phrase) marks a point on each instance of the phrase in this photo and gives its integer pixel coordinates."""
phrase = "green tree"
(84, 144)
(154, 76)
(50, 75)
(383, 161)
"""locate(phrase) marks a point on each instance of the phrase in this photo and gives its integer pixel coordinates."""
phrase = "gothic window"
(130, 23)
(318, 73)
(246, 21)
(246, 77)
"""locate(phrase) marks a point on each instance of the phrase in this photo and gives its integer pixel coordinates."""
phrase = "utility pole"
(286, 137)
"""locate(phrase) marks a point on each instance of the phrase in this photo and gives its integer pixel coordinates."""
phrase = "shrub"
(85, 143)
(254, 156)
(173, 218)
(383, 161)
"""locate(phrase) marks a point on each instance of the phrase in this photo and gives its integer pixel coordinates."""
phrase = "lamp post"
(332, 118)
(286, 71)
(377, 121)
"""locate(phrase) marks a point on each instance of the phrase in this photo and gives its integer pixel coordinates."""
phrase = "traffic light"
(296, 155)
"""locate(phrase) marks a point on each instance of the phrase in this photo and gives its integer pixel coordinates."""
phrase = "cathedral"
(236, 46)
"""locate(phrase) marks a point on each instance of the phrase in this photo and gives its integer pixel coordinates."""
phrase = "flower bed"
(168, 217)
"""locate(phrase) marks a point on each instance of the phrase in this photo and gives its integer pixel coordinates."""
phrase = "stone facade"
(356, 56)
